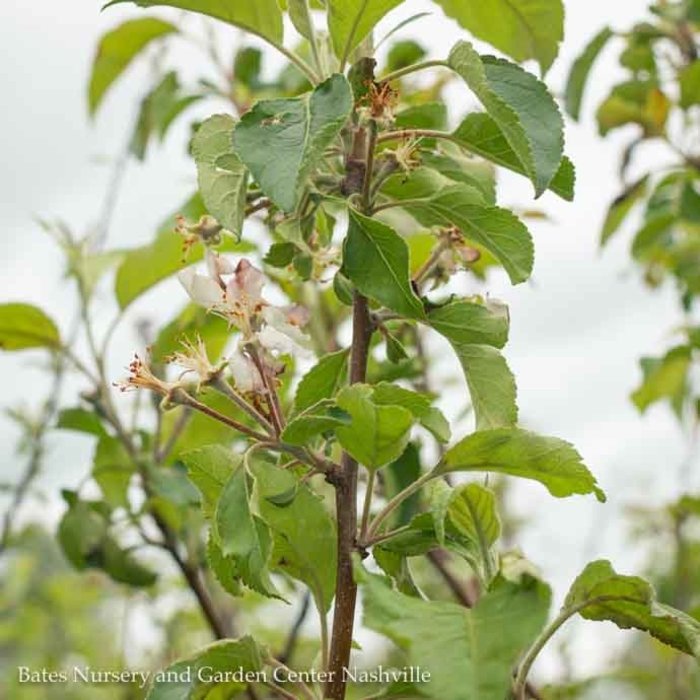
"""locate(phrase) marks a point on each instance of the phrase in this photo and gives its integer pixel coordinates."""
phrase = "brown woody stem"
(187, 400)
(346, 512)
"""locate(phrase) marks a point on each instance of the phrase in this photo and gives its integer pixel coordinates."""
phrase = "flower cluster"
(267, 331)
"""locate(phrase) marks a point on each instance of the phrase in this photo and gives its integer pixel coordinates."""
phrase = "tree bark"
(346, 512)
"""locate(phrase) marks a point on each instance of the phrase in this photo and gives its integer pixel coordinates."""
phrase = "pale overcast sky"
(577, 329)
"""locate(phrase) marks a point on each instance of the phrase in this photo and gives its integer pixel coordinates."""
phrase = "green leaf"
(475, 331)
(171, 484)
(247, 67)
(144, 267)
(472, 512)
(580, 70)
(235, 526)
(439, 494)
(635, 102)
(467, 322)
(621, 206)
(430, 530)
(281, 141)
(243, 535)
(262, 17)
(81, 533)
(301, 17)
(396, 566)
(378, 434)
(522, 29)
(480, 134)
(420, 538)
(148, 265)
(469, 653)
(375, 259)
(89, 268)
(159, 109)
(689, 79)
(225, 569)
(397, 476)
(81, 421)
(322, 380)
(313, 422)
(402, 52)
(395, 351)
(223, 179)
(350, 21)
(522, 107)
(121, 566)
(664, 378)
(431, 418)
(460, 167)
(24, 326)
(86, 543)
(430, 115)
(209, 468)
(420, 183)
(498, 230)
(551, 461)
(600, 593)
(187, 679)
(491, 385)
(281, 254)
(117, 49)
(304, 533)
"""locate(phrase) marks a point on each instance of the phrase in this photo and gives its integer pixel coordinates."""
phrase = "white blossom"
(246, 376)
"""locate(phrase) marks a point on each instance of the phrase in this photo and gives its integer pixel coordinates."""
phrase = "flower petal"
(249, 279)
(217, 265)
(245, 374)
(202, 289)
(276, 320)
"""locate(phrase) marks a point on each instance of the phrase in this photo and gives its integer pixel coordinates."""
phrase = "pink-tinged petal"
(245, 374)
(217, 265)
(203, 290)
(250, 280)
(297, 315)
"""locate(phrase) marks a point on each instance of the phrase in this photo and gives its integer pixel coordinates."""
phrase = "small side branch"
(295, 631)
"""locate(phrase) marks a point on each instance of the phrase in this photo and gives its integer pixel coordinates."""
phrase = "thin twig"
(275, 663)
(33, 467)
(293, 637)
(183, 419)
(403, 134)
(222, 386)
(438, 558)
(396, 501)
(369, 166)
(187, 400)
(369, 492)
(413, 68)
